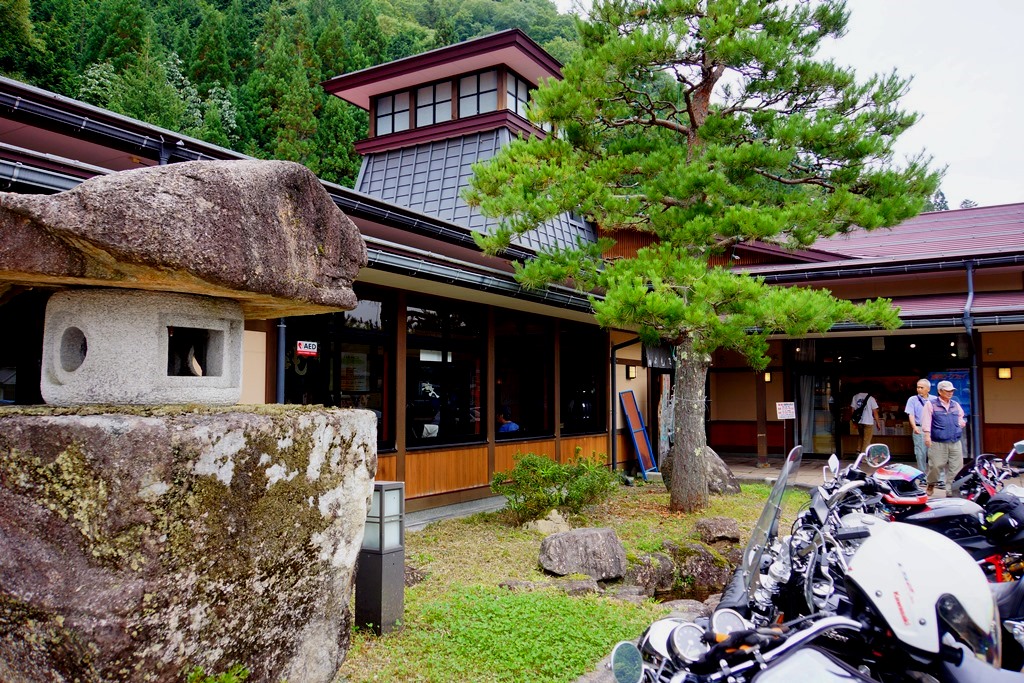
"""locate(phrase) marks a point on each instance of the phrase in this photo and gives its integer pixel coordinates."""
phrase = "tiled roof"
(429, 177)
(937, 235)
(953, 304)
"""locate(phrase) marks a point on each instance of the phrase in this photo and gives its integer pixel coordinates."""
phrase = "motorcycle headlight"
(983, 639)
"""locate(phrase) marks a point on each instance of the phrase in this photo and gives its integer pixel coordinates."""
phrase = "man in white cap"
(942, 422)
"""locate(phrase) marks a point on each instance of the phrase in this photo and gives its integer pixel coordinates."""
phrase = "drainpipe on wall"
(615, 399)
(975, 398)
(280, 359)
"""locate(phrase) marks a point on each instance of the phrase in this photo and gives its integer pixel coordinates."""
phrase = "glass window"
(392, 113)
(354, 363)
(433, 104)
(478, 94)
(524, 375)
(518, 95)
(445, 366)
(584, 367)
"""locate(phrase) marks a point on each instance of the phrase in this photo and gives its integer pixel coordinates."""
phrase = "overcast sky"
(966, 59)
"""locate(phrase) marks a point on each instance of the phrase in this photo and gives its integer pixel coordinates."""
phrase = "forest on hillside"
(246, 74)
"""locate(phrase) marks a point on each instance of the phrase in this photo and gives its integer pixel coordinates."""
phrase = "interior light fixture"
(1005, 373)
(913, 346)
(767, 377)
(630, 372)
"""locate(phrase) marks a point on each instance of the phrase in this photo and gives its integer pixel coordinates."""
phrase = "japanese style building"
(444, 339)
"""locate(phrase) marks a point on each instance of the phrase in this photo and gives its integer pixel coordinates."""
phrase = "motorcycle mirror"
(627, 664)
(833, 464)
(876, 455)
(1019, 447)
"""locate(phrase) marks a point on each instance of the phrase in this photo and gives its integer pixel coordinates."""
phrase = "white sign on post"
(786, 410)
(306, 348)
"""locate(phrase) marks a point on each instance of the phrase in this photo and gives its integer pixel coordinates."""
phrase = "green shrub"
(537, 485)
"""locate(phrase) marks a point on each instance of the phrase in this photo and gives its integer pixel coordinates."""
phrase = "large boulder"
(137, 544)
(653, 573)
(702, 570)
(598, 553)
(264, 233)
(720, 478)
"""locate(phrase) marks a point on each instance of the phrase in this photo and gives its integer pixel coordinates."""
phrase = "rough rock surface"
(701, 568)
(598, 553)
(720, 478)
(715, 529)
(138, 543)
(265, 233)
(654, 573)
(554, 523)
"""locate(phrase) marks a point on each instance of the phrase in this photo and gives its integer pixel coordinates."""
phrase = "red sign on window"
(306, 348)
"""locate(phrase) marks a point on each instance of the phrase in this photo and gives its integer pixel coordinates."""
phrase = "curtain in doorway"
(805, 410)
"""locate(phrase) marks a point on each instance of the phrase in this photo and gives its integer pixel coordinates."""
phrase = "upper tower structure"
(435, 114)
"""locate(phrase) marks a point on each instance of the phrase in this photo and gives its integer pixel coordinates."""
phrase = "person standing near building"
(866, 418)
(914, 409)
(942, 422)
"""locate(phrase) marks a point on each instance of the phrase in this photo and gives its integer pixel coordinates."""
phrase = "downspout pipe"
(281, 352)
(968, 321)
(615, 397)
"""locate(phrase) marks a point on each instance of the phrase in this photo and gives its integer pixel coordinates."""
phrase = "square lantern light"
(1005, 373)
(380, 570)
(385, 523)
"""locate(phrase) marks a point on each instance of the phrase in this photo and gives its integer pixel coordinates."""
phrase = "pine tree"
(18, 40)
(209, 63)
(705, 125)
(118, 34)
(368, 35)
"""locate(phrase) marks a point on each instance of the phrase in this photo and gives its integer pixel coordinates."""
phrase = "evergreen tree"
(937, 202)
(239, 34)
(332, 47)
(444, 33)
(119, 33)
(209, 63)
(339, 127)
(369, 36)
(704, 125)
(284, 110)
(58, 25)
(143, 91)
(18, 41)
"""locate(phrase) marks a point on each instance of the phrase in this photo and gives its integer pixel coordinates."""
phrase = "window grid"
(392, 113)
(478, 94)
(433, 104)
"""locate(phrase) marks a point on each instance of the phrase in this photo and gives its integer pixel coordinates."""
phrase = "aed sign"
(306, 348)
(786, 410)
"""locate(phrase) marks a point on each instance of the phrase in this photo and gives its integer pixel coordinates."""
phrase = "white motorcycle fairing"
(904, 570)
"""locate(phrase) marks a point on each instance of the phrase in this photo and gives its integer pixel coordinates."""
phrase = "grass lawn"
(460, 625)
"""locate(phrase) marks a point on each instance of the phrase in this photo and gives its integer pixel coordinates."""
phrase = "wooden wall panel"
(999, 438)
(442, 471)
(387, 468)
(588, 445)
(738, 436)
(504, 453)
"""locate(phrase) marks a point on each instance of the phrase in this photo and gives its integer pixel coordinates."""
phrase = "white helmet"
(924, 584)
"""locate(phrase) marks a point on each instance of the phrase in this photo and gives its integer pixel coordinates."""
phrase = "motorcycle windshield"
(766, 530)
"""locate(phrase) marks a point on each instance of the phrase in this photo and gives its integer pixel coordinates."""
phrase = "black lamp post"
(380, 572)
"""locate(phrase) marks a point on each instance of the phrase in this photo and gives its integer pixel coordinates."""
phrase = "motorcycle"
(983, 477)
(844, 596)
(1001, 555)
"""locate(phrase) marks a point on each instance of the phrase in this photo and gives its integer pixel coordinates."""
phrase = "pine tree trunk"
(689, 485)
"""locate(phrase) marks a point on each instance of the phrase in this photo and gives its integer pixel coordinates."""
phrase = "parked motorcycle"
(844, 596)
(983, 477)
